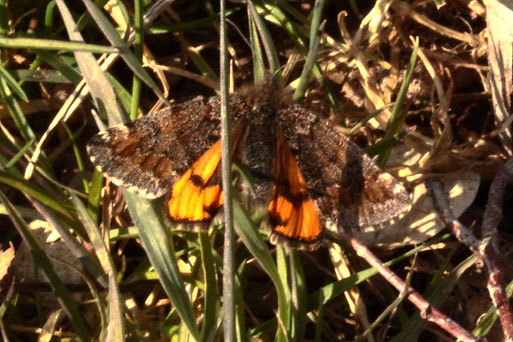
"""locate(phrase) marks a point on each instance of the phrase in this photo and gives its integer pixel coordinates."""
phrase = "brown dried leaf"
(50, 241)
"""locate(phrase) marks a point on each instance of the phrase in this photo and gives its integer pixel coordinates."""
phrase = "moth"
(306, 174)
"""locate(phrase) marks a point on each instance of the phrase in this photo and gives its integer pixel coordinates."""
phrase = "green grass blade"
(95, 195)
(4, 14)
(486, 322)
(15, 111)
(240, 311)
(116, 324)
(284, 327)
(366, 119)
(396, 121)
(311, 59)
(202, 65)
(112, 35)
(99, 86)
(41, 259)
(39, 194)
(315, 39)
(259, 71)
(159, 248)
(189, 25)
(12, 83)
(437, 292)
(384, 144)
(73, 244)
(298, 295)
(267, 41)
(43, 76)
(18, 155)
(50, 325)
(78, 156)
(337, 288)
(249, 234)
(138, 52)
(48, 44)
(320, 319)
(207, 262)
(125, 98)
(273, 13)
(59, 64)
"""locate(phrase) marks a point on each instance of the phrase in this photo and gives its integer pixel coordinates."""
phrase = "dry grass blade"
(446, 117)
(499, 18)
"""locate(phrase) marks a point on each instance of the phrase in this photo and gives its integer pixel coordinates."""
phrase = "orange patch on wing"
(293, 213)
(192, 198)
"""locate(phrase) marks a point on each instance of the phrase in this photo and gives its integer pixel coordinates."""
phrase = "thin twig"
(486, 249)
(427, 311)
(489, 246)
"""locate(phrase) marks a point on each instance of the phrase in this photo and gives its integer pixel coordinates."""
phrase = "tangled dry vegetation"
(424, 87)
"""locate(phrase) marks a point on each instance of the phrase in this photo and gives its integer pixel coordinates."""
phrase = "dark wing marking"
(197, 195)
(293, 216)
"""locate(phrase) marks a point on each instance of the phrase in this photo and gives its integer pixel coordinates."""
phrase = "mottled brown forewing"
(149, 154)
(349, 189)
